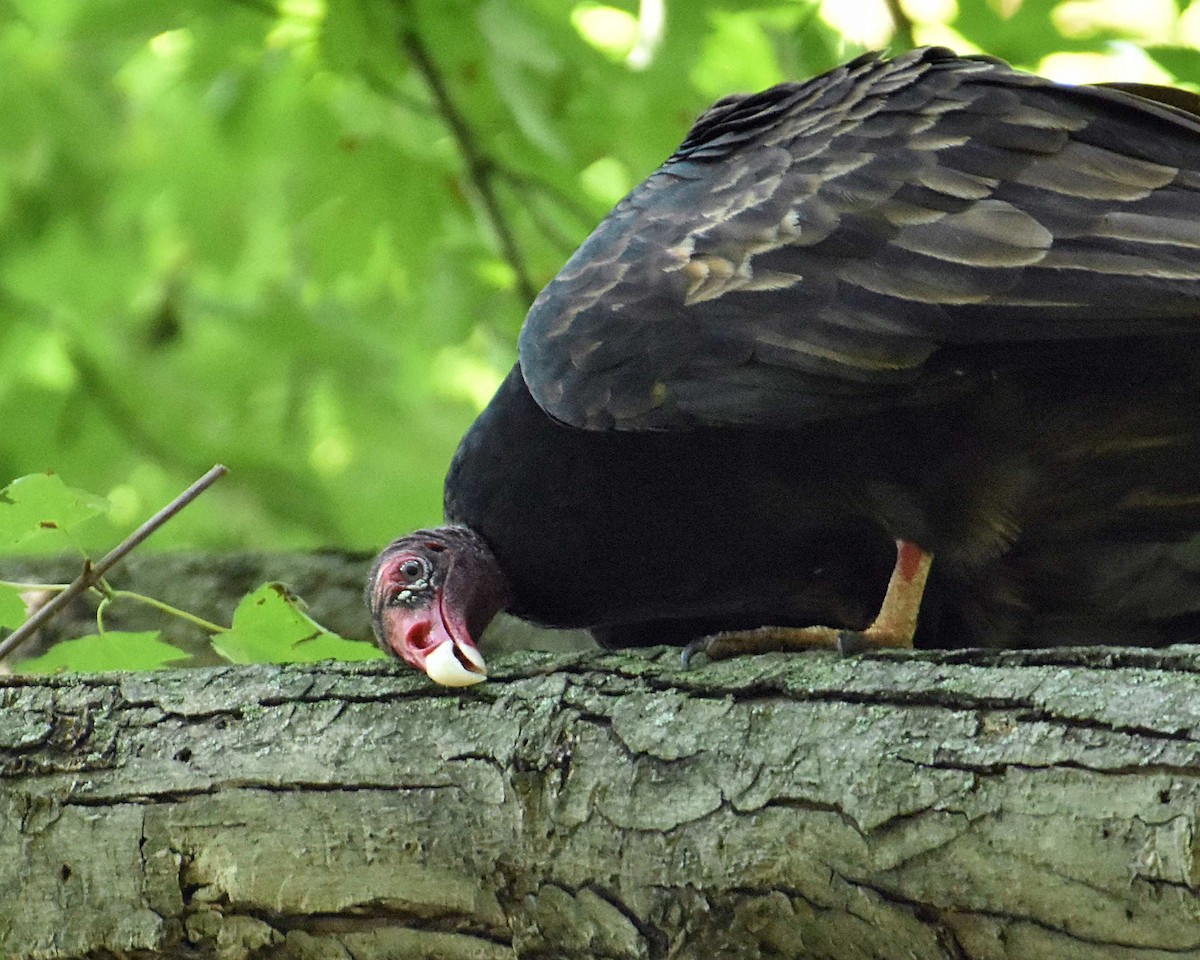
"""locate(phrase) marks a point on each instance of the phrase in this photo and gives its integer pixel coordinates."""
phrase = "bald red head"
(431, 595)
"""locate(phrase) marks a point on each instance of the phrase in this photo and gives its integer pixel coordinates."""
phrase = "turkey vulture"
(920, 317)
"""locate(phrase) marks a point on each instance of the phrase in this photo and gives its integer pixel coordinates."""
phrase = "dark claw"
(850, 642)
(690, 651)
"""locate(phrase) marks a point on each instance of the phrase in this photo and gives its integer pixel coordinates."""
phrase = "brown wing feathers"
(808, 249)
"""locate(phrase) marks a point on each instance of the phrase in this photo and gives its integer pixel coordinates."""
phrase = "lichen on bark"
(960, 805)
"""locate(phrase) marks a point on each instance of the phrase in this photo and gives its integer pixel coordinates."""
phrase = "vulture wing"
(838, 246)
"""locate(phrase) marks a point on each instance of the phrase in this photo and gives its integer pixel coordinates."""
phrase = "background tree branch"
(478, 166)
(932, 806)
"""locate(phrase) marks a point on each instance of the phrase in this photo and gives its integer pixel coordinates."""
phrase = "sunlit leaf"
(1183, 63)
(609, 29)
(114, 650)
(269, 626)
(12, 606)
(40, 502)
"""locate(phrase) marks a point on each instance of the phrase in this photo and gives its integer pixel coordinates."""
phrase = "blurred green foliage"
(299, 237)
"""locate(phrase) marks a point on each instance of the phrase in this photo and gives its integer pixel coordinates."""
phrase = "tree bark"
(971, 805)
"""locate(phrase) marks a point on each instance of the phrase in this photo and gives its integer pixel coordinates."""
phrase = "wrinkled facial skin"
(430, 594)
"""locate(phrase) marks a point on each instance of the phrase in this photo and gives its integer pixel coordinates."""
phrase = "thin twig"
(587, 218)
(21, 585)
(92, 573)
(479, 167)
(167, 608)
(903, 26)
(550, 230)
(535, 194)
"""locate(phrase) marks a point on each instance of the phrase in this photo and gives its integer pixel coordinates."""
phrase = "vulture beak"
(455, 666)
(430, 638)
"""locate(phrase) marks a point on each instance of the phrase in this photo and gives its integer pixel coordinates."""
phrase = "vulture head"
(431, 594)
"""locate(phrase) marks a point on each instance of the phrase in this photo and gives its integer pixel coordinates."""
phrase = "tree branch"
(922, 805)
(902, 34)
(479, 167)
(529, 188)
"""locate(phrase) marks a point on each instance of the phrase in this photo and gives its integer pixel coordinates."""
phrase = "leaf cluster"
(269, 624)
(299, 238)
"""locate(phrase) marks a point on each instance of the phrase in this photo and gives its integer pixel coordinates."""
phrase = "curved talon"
(690, 651)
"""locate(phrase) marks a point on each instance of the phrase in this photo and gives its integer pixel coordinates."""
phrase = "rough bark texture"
(1033, 805)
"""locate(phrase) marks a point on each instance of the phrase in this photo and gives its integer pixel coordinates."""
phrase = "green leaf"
(41, 501)
(1022, 34)
(345, 32)
(114, 650)
(269, 626)
(1183, 63)
(12, 607)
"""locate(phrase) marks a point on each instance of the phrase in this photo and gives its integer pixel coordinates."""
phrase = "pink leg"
(893, 627)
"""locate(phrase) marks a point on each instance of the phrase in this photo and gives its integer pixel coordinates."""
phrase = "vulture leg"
(894, 625)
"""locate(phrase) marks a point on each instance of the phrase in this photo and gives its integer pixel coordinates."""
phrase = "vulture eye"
(414, 568)
(408, 581)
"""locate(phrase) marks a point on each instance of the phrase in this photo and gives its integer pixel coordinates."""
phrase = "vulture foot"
(722, 646)
(893, 628)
